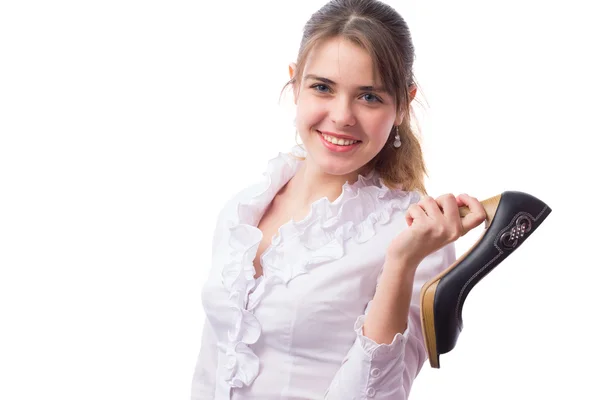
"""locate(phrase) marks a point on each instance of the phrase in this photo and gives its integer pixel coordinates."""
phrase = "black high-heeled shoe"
(511, 218)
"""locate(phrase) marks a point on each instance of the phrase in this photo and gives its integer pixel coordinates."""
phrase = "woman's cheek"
(310, 113)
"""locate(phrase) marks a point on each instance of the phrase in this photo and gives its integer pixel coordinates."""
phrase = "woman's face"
(339, 94)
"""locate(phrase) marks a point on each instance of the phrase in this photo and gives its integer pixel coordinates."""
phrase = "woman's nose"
(341, 112)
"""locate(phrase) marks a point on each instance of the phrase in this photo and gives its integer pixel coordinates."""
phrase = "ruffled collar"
(296, 248)
(279, 172)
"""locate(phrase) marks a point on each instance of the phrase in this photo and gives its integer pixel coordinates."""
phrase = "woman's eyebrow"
(330, 82)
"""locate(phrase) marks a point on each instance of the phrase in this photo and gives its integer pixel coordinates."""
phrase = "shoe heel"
(511, 218)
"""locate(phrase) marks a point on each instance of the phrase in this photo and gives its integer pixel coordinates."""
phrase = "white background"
(125, 125)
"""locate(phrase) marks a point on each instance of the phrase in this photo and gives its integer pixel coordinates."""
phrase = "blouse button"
(375, 372)
(370, 392)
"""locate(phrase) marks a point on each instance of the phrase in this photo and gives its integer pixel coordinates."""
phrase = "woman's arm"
(389, 352)
(388, 313)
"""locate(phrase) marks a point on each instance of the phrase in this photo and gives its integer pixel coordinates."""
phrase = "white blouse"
(296, 332)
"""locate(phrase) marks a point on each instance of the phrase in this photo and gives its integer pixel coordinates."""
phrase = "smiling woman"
(347, 67)
(341, 96)
(314, 287)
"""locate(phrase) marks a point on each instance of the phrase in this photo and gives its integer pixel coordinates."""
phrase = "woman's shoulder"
(230, 206)
(375, 196)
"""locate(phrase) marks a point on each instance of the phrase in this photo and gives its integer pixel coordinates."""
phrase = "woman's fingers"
(446, 207)
(413, 212)
(448, 204)
(431, 207)
(476, 213)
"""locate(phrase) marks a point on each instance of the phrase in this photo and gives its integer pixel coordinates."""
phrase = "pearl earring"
(397, 142)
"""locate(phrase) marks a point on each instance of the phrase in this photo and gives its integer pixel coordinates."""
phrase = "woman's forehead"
(341, 61)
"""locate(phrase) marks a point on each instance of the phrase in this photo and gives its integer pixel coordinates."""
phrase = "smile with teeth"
(339, 142)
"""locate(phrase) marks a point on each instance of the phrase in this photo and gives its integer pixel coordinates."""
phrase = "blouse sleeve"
(386, 371)
(204, 379)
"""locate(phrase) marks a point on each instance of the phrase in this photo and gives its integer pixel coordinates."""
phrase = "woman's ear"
(292, 71)
(399, 118)
(412, 90)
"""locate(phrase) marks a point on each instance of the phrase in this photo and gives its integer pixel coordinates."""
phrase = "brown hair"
(383, 33)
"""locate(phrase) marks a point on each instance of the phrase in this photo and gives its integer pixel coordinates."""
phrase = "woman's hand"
(432, 224)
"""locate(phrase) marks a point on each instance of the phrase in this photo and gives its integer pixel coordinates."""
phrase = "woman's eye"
(321, 88)
(371, 98)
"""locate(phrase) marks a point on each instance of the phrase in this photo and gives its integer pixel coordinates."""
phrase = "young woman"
(314, 287)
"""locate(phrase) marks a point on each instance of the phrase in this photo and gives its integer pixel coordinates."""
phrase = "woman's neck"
(310, 184)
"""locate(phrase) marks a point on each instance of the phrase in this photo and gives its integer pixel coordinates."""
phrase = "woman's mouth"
(337, 144)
